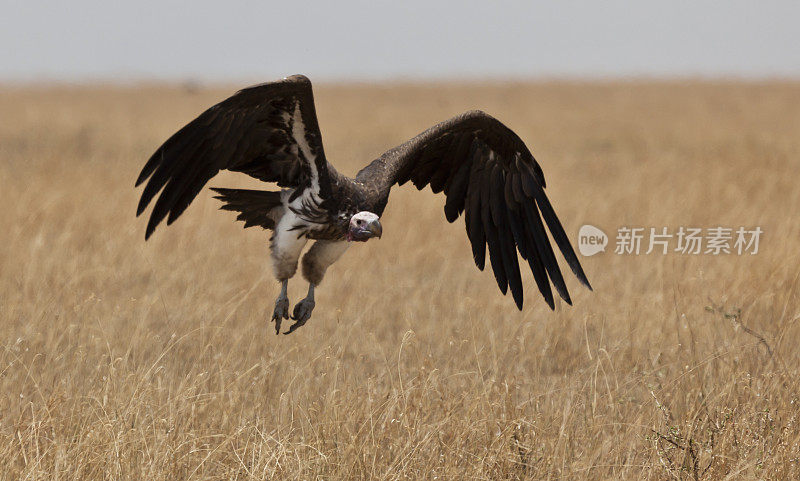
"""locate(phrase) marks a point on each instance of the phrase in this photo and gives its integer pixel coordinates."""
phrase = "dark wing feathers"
(254, 206)
(473, 216)
(488, 173)
(251, 132)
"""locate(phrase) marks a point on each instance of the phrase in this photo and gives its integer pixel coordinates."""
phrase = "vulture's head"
(363, 227)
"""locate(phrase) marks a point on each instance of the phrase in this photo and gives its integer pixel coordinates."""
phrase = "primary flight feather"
(270, 132)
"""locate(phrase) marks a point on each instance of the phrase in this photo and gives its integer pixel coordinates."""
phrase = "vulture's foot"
(281, 311)
(301, 313)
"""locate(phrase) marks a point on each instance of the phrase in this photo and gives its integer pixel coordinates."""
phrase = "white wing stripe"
(299, 134)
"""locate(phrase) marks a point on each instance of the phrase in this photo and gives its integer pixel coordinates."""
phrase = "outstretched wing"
(267, 131)
(487, 172)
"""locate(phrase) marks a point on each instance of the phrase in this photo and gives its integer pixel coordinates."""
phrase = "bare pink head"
(363, 227)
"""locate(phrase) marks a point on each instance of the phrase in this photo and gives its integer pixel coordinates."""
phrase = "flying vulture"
(270, 132)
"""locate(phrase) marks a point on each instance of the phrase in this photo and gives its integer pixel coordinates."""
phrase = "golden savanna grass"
(121, 359)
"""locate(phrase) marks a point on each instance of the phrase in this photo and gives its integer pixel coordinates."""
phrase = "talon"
(302, 310)
(301, 314)
(293, 327)
(281, 312)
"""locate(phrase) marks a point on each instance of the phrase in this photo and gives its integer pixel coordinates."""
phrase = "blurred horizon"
(90, 41)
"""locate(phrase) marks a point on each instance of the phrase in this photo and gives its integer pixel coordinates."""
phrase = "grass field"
(121, 359)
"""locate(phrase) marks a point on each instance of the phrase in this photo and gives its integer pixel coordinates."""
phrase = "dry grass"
(126, 360)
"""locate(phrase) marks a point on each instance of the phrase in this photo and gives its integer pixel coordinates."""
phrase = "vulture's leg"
(316, 261)
(286, 247)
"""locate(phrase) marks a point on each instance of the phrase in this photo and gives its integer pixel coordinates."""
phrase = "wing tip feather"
(142, 206)
(519, 301)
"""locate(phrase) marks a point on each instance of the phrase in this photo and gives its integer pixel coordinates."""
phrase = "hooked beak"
(375, 229)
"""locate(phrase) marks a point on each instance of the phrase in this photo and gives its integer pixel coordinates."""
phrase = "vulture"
(269, 131)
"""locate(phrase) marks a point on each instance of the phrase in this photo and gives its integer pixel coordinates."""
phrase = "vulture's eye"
(360, 222)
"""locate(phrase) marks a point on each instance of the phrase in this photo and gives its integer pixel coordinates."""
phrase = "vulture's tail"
(254, 206)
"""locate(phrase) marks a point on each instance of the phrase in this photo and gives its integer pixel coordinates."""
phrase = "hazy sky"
(205, 40)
